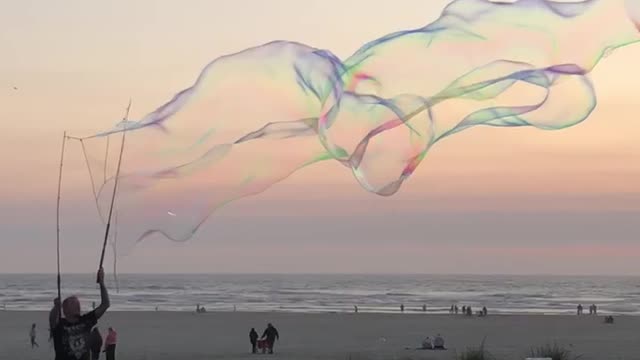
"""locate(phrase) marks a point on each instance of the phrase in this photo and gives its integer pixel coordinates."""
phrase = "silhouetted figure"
(424, 307)
(355, 308)
(464, 310)
(469, 311)
(484, 311)
(580, 308)
(53, 317)
(451, 309)
(271, 335)
(95, 343)
(197, 308)
(438, 342)
(71, 333)
(32, 336)
(595, 309)
(401, 307)
(426, 344)
(608, 319)
(110, 344)
(455, 309)
(253, 338)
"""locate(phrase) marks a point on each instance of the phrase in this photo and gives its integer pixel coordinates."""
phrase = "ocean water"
(332, 293)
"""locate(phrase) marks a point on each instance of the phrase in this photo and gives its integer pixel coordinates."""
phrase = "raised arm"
(104, 296)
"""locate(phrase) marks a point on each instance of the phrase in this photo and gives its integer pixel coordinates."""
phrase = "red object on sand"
(262, 344)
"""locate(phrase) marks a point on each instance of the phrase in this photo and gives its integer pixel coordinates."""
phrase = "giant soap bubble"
(253, 118)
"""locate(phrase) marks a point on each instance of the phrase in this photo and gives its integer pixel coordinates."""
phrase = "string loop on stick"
(115, 188)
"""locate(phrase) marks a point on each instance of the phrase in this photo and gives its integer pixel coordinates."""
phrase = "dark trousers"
(270, 345)
(95, 354)
(111, 352)
(253, 346)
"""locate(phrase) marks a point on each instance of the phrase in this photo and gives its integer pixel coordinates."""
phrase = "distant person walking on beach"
(95, 343)
(271, 334)
(355, 309)
(110, 344)
(484, 311)
(469, 311)
(253, 338)
(401, 307)
(71, 333)
(424, 307)
(455, 309)
(580, 308)
(32, 336)
(594, 309)
(464, 310)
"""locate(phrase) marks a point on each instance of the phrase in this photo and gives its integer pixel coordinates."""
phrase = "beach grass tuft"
(553, 352)
(479, 353)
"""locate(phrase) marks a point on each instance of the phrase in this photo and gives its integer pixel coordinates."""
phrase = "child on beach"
(253, 338)
(32, 336)
(71, 333)
(110, 344)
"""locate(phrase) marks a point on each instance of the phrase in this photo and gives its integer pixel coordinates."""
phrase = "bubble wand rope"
(115, 188)
(114, 246)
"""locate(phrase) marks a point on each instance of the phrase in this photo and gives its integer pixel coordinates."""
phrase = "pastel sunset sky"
(487, 200)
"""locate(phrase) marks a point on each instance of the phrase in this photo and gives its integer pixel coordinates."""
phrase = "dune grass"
(479, 353)
(554, 352)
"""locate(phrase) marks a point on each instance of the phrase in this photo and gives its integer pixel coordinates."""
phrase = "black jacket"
(271, 333)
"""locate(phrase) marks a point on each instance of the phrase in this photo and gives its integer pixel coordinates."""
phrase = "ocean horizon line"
(390, 274)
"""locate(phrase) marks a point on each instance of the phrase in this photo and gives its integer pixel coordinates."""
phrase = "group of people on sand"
(75, 336)
(266, 342)
(468, 311)
(593, 309)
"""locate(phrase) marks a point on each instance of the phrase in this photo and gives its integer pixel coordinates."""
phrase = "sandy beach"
(183, 335)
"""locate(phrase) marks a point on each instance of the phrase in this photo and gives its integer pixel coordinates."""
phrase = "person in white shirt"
(32, 336)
